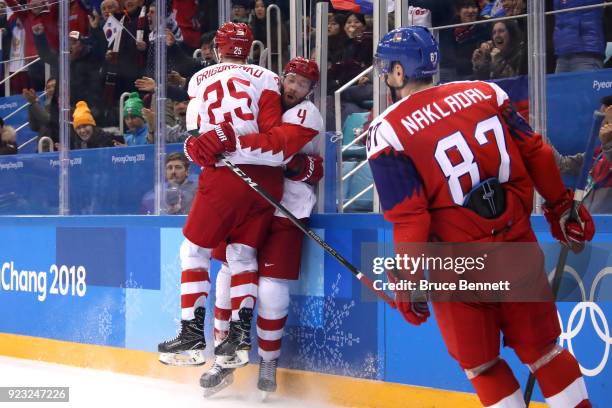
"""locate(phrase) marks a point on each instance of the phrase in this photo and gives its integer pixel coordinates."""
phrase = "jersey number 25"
(224, 98)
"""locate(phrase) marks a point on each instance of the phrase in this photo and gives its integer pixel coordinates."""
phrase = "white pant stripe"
(248, 289)
(571, 396)
(514, 400)
(189, 288)
(269, 334)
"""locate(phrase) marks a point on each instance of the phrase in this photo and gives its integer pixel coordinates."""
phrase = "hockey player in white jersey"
(246, 99)
(279, 257)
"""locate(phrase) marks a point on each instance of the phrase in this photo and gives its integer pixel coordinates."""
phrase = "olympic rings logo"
(570, 332)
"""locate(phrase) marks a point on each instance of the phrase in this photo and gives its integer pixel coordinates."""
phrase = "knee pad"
(273, 298)
(241, 258)
(536, 359)
(194, 257)
(222, 288)
(474, 372)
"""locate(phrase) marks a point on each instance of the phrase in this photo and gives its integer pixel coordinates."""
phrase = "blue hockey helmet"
(414, 47)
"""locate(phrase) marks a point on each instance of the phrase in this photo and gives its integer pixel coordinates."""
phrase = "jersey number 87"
(468, 166)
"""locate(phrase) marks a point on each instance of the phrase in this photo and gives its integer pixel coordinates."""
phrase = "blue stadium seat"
(353, 126)
(355, 184)
(353, 123)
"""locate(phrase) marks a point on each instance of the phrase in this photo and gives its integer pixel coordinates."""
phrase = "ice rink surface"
(94, 388)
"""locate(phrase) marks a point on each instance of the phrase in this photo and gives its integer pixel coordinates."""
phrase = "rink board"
(128, 301)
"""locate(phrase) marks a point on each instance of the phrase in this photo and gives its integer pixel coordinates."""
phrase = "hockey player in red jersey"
(279, 257)
(224, 207)
(483, 153)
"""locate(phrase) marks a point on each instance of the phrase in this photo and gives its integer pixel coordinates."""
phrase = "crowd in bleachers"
(112, 53)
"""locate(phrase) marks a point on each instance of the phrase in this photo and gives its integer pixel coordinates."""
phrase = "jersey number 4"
(224, 98)
(469, 166)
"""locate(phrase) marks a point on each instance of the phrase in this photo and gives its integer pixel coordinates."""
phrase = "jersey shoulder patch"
(381, 136)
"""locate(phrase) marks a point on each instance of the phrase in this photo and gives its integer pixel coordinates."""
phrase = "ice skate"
(267, 377)
(187, 348)
(216, 379)
(233, 351)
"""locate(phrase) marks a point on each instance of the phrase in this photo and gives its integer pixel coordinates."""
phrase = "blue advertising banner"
(115, 281)
(572, 98)
(102, 181)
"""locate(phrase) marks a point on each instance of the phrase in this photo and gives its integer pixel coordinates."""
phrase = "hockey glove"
(570, 232)
(411, 304)
(306, 168)
(206, 148)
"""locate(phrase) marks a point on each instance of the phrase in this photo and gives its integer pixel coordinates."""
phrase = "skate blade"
(188, 358)
(226, 382)
(240, 359)
(263, 396)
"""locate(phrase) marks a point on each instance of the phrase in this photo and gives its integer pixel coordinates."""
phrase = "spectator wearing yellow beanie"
(82, 115)
(89, 135)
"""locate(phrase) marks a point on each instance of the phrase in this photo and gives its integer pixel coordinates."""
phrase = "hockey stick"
(578, 197)
(310, 233)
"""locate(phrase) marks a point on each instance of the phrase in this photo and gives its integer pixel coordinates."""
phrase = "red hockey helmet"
(304, 67)
(234, 40)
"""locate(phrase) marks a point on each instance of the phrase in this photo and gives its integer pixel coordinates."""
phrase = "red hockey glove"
(411, 304)
(306, 168)
(205, 149)
(570, 232)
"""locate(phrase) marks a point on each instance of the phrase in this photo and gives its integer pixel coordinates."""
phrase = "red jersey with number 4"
(245, 95)
(429, 150)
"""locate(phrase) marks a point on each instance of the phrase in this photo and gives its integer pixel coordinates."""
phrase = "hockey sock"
(498, 387)
(223, 306)
(269, 336)
(222, 318)
(195, 285)
(561, 382)
(243, 291)
(272, 316)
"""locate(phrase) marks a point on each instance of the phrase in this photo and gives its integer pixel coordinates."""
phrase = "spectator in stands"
(137, 129)
(87, 135)
(467, 38)
(578, 37)
(354, 25)
(241, 10)
(8, 139)
(357, 53)
(258, 26)
(599, 191)
(337, 37)
(173, 29)
(206, 48)
(185, 65)
(504, 56)
(108, 8)
(502, 8)
(44, 119)
(176, 127)
(194, 17)
(125, 57)
(178, 189)
(85, 59)
(25, 16)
